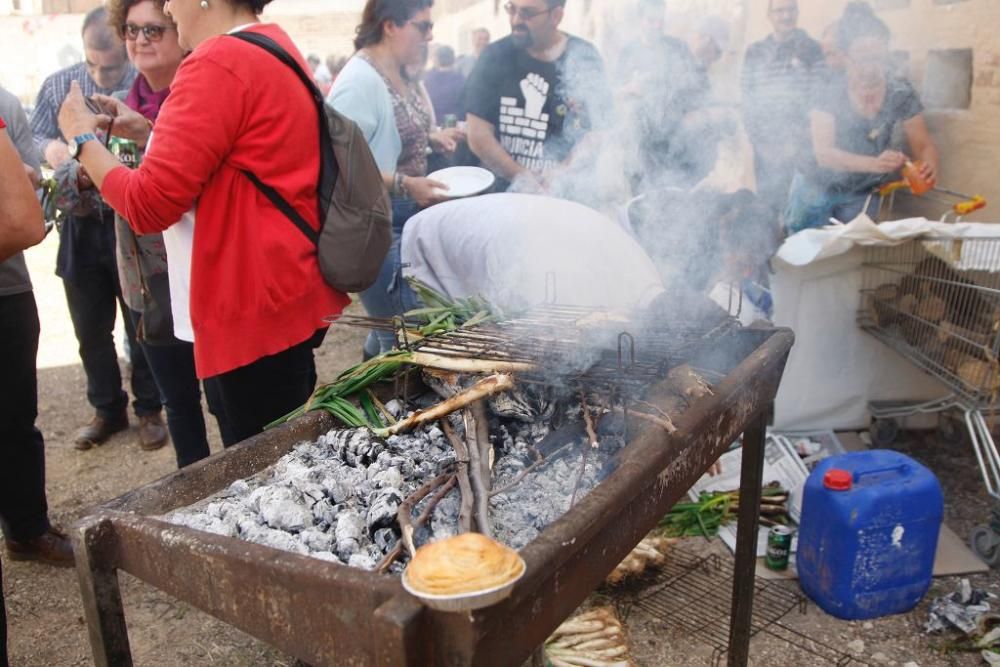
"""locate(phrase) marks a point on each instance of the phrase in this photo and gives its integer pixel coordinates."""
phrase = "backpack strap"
(328, 163)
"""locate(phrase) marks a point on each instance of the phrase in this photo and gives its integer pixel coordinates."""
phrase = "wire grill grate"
(692, 595)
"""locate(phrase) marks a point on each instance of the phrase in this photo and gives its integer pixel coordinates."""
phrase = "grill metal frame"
(329, 614)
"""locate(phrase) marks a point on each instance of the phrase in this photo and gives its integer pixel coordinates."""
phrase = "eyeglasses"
(424, 27)
(526, 13)
(152, 31)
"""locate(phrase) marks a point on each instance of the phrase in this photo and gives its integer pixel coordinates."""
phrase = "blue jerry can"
(868, 533)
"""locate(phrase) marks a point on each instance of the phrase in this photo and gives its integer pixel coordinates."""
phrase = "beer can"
(450, 120)
(779, 547)
(126, 150)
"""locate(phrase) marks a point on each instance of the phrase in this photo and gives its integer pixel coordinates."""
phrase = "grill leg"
(751, 480)
(102, 600)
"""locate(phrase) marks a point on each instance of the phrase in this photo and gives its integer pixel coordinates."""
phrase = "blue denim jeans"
(390, 295)
(811, 206)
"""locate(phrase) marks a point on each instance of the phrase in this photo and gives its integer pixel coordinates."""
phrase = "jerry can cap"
(837, 480)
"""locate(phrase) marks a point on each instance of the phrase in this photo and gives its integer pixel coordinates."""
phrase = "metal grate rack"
(936, 301)
(691, 595)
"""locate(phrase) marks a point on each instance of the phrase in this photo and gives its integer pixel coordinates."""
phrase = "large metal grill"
(330, 614)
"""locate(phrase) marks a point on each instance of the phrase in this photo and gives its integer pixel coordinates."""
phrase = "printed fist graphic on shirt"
(535, 90)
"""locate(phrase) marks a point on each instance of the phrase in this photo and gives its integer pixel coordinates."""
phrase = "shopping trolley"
(936, 301)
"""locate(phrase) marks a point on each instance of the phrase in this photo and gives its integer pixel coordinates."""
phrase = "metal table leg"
(751, 481)
(102, 600)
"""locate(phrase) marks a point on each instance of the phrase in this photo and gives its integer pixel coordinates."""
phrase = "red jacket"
(256, 288)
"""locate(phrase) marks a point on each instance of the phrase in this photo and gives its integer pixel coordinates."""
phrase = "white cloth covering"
(835, 370)
(506, 247)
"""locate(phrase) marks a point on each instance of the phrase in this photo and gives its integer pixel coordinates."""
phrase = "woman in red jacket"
(257, 298)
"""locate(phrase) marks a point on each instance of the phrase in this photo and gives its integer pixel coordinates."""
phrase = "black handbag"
(156, 322)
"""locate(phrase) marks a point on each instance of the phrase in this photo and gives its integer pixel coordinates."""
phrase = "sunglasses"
(152, 31)
(526, 13)
(424, 27)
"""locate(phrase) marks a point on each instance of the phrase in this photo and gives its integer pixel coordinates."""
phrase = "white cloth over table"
(506, 247)
(835, 369)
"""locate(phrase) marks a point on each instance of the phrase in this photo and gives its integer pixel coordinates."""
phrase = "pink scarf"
(144, 99)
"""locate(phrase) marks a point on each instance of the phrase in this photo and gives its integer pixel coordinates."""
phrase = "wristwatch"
(75, 144)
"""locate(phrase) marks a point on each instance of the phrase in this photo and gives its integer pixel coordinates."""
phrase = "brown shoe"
(99, 430)
(51, 548)
(152, 432)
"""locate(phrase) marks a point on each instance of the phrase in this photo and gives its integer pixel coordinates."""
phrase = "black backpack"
(354, 209)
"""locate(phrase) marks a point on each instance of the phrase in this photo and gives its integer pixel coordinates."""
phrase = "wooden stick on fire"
(404, 515)
(480, 487)
(466, 508)
(488, 386)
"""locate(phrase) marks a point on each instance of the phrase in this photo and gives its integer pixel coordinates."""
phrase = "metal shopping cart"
(936, 301)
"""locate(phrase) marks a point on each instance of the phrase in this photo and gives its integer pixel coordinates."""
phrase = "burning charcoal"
(389, 478)
(239, 488)
(316, 540)
(385, 539)
(395, 408)
(325, 513)
(325, 555)
(350, 527)
(382, 512)
(283, 508)
(276, 539)
(525, 403)
(362, 562)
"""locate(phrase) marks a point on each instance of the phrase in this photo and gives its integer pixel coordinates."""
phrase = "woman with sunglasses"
(855, 123)
(256, 299)
(392, 110)
(151, 41)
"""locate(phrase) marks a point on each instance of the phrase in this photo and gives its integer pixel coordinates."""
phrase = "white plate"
(463, 181)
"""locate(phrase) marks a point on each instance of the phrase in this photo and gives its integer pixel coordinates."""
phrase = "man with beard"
(534, 95)
(778, 78)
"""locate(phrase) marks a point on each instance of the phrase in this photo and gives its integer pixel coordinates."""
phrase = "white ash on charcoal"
(337, 499)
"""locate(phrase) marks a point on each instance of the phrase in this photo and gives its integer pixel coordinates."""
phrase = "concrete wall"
(969, 139)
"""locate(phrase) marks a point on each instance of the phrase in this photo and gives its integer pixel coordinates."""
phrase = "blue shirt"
(45, 118)
(360, 94)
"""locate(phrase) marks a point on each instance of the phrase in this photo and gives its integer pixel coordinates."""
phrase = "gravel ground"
(45, 616)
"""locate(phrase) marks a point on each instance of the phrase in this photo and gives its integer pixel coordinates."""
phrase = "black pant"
(90, 276)
(173, 370)
(255, 395)
(23, 508)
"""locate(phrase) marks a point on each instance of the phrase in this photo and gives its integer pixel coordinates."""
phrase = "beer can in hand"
(126, 150)
(779, 547)
(450, 120)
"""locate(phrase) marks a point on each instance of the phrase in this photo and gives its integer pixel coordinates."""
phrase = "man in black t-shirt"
(534, 95)
(779, 73)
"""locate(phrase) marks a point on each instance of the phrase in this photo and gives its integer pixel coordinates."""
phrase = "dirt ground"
(45, 616)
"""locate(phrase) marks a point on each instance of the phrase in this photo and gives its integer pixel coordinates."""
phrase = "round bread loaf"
(466, 563)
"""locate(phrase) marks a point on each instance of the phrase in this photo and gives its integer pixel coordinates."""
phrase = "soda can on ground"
(779, 547)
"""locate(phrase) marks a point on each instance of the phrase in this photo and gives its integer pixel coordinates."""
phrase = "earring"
(204, 4)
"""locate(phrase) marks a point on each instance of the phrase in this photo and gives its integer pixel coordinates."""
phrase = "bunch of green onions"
(440, 315)
(712, 510)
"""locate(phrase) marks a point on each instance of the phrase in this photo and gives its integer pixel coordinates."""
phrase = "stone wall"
(969, 139)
